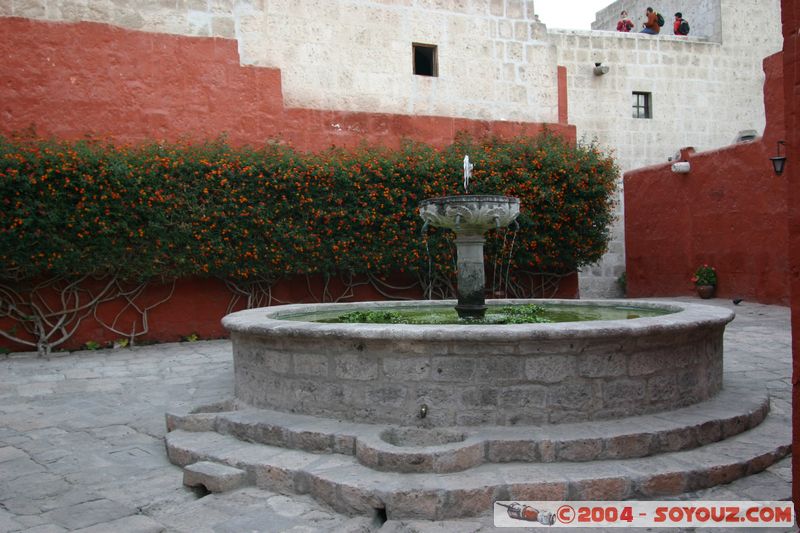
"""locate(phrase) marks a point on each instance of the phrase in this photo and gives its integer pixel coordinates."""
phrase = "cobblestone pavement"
(81, 441)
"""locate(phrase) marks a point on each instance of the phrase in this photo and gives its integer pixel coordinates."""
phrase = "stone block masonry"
(476, 375)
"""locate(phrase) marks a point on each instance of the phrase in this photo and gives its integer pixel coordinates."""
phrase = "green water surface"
(440, 315)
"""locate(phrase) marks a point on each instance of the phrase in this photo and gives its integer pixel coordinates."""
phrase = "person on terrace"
(625, 24)
(680, 26)
(651, 26)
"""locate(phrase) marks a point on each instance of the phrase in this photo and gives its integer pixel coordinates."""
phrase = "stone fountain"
(344, 412)
(470, 216)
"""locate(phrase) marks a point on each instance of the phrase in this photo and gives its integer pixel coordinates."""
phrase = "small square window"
(425, 61)
(642, 105)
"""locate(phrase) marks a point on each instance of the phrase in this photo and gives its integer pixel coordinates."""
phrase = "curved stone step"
(737, 408)
(350, 487)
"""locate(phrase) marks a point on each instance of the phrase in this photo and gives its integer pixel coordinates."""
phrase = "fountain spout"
(467, 173)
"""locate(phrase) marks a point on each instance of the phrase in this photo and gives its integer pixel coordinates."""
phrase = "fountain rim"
(470, 198)
(267, 321)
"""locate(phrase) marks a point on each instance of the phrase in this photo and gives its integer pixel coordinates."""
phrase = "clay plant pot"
(706, 291)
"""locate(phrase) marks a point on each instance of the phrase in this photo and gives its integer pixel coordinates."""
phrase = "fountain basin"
(472, 213)
(472, 375)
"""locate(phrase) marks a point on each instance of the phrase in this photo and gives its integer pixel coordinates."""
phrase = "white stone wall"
(495, 62)
(490, 67)
(703, 16)
(704, 93)
(357, 54)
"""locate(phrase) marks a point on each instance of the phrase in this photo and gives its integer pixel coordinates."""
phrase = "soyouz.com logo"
(742, 514)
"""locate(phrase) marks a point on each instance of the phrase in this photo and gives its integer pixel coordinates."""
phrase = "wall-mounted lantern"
(680, 161)
(681, 167)
(779, 161)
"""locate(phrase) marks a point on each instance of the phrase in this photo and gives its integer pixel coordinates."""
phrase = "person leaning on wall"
(680, 26)
(651, 26)
(625, 24)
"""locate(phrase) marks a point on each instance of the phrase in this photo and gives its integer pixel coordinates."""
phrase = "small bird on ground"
(737, 301)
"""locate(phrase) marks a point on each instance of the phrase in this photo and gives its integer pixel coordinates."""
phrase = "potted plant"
(705, 281)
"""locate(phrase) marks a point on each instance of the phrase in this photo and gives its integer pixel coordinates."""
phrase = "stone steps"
(214, 477)
(350, 487)
(737, 408)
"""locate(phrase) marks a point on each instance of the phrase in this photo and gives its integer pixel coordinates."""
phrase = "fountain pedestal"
(471, 276)
(470, 216)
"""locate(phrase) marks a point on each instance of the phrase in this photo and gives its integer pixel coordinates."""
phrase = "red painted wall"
(72, 80)
(729, 211)
(196, 306)
(76, 80)
(563, 102)
(791, 86)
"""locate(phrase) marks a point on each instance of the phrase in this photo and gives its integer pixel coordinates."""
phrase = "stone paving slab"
(68, 414)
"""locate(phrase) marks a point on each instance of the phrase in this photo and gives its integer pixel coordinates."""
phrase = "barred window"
(642, 105)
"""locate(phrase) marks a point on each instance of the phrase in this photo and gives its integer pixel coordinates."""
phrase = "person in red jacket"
(676, 26)
(651, 27)
(625, 24)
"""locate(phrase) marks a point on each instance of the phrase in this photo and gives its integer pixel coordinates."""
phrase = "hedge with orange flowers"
(167, 211)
